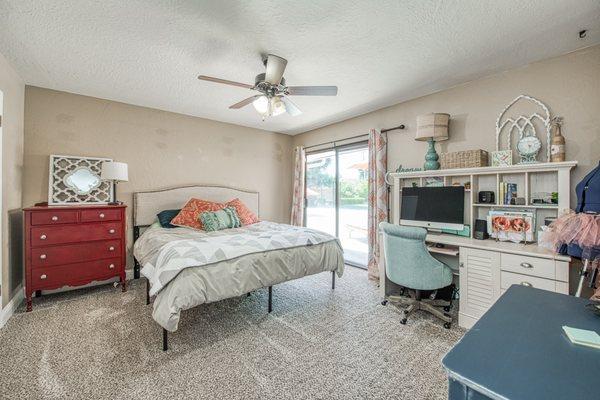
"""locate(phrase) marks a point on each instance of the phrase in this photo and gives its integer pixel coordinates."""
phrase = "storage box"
(464, 159)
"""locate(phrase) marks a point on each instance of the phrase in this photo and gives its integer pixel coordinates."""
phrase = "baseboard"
(13, 304)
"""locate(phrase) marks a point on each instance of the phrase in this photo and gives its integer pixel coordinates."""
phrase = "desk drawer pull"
(461, 265)
(54, 218)
(43, 276)
(101, 215)
(111, 266)
(526, 265)
(42, 256)
(526, 284)
(111, 248)
(43, 237)
(111, 231)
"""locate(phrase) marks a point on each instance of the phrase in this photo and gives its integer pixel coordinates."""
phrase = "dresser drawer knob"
(111, 266)
(43, 276)
(54, 218)
(111, 231)
(526, 265)
(43, 237)
(111, 248)
(42, 256)
(526, 284)
(101, 215)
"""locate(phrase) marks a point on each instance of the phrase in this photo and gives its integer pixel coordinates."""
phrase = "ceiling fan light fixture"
(277, 106)
(261, 104)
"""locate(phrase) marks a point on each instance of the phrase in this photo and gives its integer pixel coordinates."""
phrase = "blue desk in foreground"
(518, 350)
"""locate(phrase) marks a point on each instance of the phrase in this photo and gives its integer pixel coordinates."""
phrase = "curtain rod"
(352, 137)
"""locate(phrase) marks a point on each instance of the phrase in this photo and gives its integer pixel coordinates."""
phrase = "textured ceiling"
(377, 52)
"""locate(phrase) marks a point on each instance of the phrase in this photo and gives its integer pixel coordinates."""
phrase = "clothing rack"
(352, 137)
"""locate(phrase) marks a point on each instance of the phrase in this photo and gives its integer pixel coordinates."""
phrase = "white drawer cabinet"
(486, 274)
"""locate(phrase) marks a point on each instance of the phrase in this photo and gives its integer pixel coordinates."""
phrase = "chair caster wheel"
(403, 321)
(447, 308)
(447, 325)
(384, 302)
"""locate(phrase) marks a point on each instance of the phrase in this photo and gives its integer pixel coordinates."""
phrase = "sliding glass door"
(336, 197)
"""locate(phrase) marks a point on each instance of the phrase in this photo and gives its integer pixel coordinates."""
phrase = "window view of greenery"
(351, 216)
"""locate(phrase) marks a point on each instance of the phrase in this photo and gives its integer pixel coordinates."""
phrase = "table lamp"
(115, 172)
(432, 128)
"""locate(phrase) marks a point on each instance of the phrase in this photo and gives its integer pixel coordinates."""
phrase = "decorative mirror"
(74, 180)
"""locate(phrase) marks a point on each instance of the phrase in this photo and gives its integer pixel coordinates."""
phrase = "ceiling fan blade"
(312, 90)
(225, 81)
(244, 102)
(290, 107)
(275, 67)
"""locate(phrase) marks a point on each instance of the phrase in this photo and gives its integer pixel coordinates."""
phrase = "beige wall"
(569, 85)
(13, 89)
(162, 149)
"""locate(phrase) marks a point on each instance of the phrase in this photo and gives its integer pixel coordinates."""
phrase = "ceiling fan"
(273, 98)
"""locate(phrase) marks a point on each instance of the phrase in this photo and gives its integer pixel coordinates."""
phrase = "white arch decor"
(524, 123)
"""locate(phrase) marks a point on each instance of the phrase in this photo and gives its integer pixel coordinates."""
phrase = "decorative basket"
(464, 159)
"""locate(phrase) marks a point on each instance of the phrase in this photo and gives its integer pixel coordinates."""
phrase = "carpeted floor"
(317, 344)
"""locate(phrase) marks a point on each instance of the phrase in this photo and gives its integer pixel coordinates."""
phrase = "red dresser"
(73, 246)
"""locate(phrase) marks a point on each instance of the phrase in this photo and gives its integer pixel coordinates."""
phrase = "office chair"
(409, 264)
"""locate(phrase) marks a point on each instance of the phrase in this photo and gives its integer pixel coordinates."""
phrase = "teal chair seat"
(409, 264)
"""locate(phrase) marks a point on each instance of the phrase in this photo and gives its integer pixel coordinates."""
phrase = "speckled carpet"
(100, 343)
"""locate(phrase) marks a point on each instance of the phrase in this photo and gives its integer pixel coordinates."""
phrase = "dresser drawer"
(541, 267)
(53, 217)
(100, 215)
(46, 235)
(75, 273)
(73, 253)
(509, 278)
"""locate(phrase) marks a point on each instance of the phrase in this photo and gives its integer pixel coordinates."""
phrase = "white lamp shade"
(114, 171)
(432, 126)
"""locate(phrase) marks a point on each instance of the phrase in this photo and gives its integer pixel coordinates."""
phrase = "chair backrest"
(407, 260)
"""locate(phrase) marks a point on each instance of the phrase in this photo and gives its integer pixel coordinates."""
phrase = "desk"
(518, 350)
(486, 268)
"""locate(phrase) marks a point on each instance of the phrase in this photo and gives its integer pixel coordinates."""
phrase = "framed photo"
(511, 226)
(76, 180)
(501, 158)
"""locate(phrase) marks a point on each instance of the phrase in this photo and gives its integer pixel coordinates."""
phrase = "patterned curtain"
(378, 197)
(298, 194)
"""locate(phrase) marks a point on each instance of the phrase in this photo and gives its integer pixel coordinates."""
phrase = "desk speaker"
(480, 232)
(486, 197)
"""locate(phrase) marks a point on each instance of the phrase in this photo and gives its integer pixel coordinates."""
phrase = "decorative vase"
(431, 158)
(557, 146)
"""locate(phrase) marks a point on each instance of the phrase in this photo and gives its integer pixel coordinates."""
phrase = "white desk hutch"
(486, 268)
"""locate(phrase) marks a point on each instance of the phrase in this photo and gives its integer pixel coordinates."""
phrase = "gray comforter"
(231, 273)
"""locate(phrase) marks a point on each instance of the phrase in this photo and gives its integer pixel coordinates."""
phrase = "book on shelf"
(508, 191)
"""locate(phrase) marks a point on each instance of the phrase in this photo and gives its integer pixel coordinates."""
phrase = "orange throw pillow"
(247, 217)
(189, 215)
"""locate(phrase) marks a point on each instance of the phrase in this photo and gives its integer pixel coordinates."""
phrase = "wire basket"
(464, 159)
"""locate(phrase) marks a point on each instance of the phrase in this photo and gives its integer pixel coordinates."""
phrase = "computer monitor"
(433, 207)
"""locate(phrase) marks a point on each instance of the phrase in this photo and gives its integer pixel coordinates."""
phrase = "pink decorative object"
(581, 229)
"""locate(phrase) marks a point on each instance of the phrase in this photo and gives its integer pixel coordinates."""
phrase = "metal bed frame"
(137, 266)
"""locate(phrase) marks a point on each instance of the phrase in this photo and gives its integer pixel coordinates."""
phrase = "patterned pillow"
(190, 213)
(223, 219)
(247, 217)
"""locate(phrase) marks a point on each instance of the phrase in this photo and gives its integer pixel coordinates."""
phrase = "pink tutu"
(580, 229)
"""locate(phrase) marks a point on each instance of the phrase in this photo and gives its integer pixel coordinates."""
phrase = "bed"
(185, 268)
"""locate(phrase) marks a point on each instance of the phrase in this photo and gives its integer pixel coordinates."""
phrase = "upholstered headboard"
(147, 204)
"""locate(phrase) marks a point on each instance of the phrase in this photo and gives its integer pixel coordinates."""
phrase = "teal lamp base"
(431, 158)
